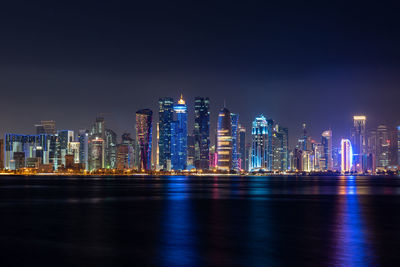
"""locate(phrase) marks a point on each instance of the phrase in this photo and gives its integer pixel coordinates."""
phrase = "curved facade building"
(224, 140)
(143, 138)
(347, 156)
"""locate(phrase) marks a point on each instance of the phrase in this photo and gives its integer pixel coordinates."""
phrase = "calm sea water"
(200, 221)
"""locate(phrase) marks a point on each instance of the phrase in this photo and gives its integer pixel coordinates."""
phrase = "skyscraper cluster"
(173, 148)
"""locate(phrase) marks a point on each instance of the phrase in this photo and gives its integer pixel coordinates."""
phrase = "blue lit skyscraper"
(201, 133)
(259, 151)
(235, 151)
(166, 116)
(144, 118)
(327, 149)
(179, 137)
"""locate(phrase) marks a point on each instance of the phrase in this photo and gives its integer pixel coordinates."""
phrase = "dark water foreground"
(200, 221)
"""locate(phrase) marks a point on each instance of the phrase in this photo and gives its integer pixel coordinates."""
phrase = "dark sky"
(294, 61)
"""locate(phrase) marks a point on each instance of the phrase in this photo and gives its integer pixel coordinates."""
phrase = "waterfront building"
(280, 143)
(382, 147)
(179, 137)
(243, 161)
(201, 133)
(327, 150)
(83, 139)
(398, 146)
(359, 143)
(73, 150)
(110, 149)
(224, 140)
(346, 156)
(235, 141)
(260, 137)
(65, 137)
(96, 155)
(166, 116)
(98, 131)
(190, 152)
(128, 141)
(1, 153)
(144, 127)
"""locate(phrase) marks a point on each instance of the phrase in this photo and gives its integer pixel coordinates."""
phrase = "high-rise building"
(327, 150)
(398, 146)
(179, 137)
(1, 153)
(110, 149)
(243, 162)
(49, 127)
(359, 143)
(201, 132)
(131, 144)
(166, 116)
(190, 151)
(73, 150)
(96, 153)
(224, 140)
(304, 142)
(125, 153)
(83, 139)
(259, 151)
(382, 147)
(144, 118)
(235, 141)
(98, 131)
(280, 147)
(347, 156)
(65, 137)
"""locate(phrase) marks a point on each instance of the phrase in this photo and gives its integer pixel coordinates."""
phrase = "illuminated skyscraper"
(224, 140)
(327, 149)
(382, 147)
(83, 139)
(235, 141)
(179, 137)
(1, 153)
(144, 138)
(347, 156)
(98, 131)
(398, 146)
(359, 142)
(96, 155)
(242, 148)
(280, 143)
(201, 132)
(259, 151)
(110, 149)
(166, 116)
(65, 137)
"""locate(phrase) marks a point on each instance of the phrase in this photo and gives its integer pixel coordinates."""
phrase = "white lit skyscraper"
(359, 141)
(347, 155)
(224, 140)
(327, 149)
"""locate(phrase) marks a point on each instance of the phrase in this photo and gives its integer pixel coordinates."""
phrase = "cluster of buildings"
(264, 149)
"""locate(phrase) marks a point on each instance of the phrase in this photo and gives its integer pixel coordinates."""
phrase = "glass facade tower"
(224, 140)
(179, 137)
(166, 115)
(144, 119)
(201, 133)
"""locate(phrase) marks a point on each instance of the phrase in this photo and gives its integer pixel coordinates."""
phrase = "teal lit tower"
(179, 137)
(166, 116)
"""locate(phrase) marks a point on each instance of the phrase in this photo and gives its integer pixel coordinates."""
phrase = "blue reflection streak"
(351, 247)
(178, 238)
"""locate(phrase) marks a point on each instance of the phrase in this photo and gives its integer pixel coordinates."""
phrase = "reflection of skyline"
(178, 238)
(352, 247)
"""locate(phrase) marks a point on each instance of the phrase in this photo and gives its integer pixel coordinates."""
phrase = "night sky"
(294, 61)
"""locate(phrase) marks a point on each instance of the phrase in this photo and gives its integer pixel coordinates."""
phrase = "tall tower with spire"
(179, 136)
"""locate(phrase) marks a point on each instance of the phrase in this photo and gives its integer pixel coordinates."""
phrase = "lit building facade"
(201, 133)
(235, 141)
(346, 156)
(327, 150)
(224, 140)
(83, 139)
(359, 143)
(382, 147)
(243, 159)
(166, 116)
(96, 153)
(179, 137)
(144, 119)
(110, 149)
(398, 145)
(259, 151)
